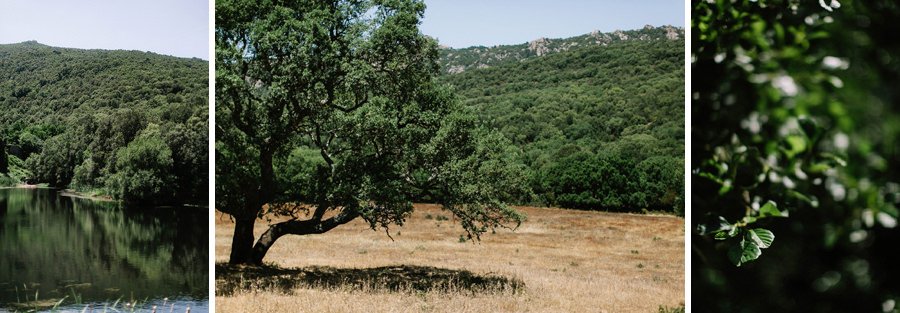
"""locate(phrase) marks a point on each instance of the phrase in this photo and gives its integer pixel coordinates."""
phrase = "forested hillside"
(599, 117)
(459, 60)
(129, 124)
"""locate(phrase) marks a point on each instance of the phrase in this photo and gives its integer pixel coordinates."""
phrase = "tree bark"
(296, 227)
(242, 240)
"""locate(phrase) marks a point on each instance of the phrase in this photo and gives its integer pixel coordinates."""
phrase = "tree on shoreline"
(353, 81)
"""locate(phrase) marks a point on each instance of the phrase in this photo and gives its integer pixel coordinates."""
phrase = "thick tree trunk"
(242, 241)
(295, 227)
(265, 243)
(244, 251)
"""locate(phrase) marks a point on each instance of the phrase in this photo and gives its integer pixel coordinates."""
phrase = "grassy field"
(569, 261)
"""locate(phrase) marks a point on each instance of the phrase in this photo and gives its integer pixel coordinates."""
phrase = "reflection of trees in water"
(3, 204)
(58, 241)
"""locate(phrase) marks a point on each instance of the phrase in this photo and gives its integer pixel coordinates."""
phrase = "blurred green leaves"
(797, 114)
(764, 130)
(770, 209)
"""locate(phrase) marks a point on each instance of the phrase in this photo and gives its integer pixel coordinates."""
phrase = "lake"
(100, 255)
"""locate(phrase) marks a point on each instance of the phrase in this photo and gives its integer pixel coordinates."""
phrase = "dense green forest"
(128, 124)
(599, 118)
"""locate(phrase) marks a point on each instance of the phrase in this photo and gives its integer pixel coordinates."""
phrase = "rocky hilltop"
(455, 61)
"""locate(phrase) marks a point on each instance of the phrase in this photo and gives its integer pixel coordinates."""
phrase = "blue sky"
(180, 27)
(465, 23)
(171, 27)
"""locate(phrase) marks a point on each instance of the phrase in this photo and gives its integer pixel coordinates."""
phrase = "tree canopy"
(341, 98)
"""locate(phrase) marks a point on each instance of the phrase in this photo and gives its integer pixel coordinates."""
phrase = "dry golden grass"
(570, 261)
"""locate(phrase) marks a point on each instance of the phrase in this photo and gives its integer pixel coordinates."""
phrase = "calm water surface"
(99, 254)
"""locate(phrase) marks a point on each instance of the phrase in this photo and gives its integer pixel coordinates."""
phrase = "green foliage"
(334, 107)
(296, 170)
(17, 172)
(56, 162)
(599, 119)
(747, 242)
(795, 131)
(7, 181)
(70, 113)
(143, 170)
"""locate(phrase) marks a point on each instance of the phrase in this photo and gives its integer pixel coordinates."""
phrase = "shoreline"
(64, 192)
(25, 186)
(72, 193)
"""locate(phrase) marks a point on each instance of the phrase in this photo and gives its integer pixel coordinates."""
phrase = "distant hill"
(599, 117)
(103, 120)
(459, 60)
(42, 83)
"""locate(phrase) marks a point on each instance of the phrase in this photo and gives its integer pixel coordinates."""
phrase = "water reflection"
(53, 247)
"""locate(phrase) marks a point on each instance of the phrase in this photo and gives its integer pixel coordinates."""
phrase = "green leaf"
(795, 144)
(834, 159)
(825, 162)
(734, 232)
(745, 252)
(722, 235)
(818, 35)
(819, 167)
(762, 237)
(801, 197)
(718, 225)
(771, 209)
(726, 187)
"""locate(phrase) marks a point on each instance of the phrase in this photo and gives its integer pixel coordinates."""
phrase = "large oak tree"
(353, 81)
